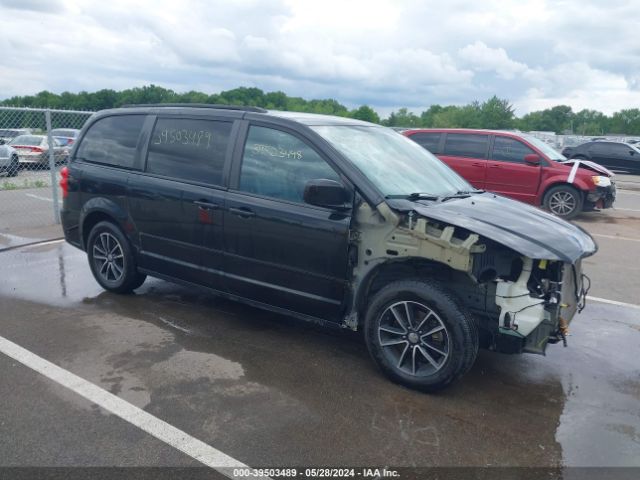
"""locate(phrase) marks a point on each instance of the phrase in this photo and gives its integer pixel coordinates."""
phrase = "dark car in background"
(328, 219)
(522, 167)
(616, 156)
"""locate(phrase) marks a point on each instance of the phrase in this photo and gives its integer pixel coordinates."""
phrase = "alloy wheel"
(108, 257)
(414, 338)
(562, 203)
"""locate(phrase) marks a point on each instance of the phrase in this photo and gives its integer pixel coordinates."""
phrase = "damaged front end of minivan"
(518, 273)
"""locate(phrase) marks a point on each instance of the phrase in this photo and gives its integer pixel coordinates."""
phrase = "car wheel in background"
(563, 201)
(14, 167)
(420, 335)
(111, 259)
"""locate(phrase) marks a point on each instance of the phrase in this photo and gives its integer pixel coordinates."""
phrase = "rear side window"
(112, 141)
(466, 145)
(507, 149)
(278, 165)
(430, 141)
(189, 149)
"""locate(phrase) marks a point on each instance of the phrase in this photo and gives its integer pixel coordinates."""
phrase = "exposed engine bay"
(522, 300)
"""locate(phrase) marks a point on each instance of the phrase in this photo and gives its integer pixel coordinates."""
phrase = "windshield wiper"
(423, 196)
(415, 196)
(461, 194)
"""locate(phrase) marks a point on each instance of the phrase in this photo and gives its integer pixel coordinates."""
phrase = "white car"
(9, 161)
(34, 150)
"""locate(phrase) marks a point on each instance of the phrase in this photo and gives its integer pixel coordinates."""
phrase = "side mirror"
(327, 193)
(631, 152)
(532, 159)
(2, 141)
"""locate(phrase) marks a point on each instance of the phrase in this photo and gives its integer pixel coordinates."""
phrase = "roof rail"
(200, 105)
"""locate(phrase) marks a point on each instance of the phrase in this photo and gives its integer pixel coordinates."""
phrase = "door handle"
(477, 164)
(206, 205)
(495, 165)
(242, 212)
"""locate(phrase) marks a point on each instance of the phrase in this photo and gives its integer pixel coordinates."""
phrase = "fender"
(561, 179)
(110, 208)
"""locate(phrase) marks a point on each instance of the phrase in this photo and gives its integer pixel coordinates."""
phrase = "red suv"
(521, 167)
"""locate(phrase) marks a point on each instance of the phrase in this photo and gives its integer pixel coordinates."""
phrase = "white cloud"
(482, 58)
(385, 53)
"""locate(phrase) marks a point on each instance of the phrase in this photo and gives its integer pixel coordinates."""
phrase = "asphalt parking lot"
(265, 390)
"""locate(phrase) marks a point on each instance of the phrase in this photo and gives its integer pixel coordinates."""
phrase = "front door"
(509, 174)
(280, 250)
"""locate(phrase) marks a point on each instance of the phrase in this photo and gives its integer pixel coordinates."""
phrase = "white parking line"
(615, 237)
(626, 192)
(626, 209)
(161, 430)
(613, 302)
(32, 195)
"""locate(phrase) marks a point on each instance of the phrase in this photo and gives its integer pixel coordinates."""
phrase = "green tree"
(557, 119)
(403, 118)
(366, 113)
(496, 113)
(626, 121)
(590, 122)
(427, 117)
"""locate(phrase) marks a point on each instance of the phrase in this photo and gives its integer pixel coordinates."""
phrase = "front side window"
(189, 149)
(466, 145)
(507, 149)
(621, 149)
(550, 152)
(112, 141)
(277, 164)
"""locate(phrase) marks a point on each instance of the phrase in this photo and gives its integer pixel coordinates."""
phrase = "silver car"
(9, 162)
(34, 149)
(8, 134)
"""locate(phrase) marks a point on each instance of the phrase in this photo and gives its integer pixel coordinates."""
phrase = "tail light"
(64, 181)
(70, 142)
(37, 149)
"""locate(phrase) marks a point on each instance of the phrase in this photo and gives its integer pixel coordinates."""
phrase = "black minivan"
(328, 219)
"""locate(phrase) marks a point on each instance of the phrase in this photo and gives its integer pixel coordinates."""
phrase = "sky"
(387, 54)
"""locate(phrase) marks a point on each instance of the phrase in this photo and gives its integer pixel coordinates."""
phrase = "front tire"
(111, 259)
(563, 201)
(420, 335)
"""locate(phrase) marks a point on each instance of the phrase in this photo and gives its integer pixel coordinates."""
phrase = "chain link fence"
(34, 145)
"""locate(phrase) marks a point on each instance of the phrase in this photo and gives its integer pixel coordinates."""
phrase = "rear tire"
(111, 259)
(420, 335)
(564, 201)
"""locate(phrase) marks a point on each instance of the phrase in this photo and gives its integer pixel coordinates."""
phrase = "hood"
(589, 165)
(521, 227)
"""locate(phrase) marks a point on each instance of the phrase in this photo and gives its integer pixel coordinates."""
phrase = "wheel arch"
(391, 270)
(577, 185)
(101, 209)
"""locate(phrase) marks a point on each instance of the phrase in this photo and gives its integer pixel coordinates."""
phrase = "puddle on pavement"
(212, 367)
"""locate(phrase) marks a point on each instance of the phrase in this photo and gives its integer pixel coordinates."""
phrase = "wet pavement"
(271, 391)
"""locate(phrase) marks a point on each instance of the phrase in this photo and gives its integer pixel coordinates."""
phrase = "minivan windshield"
(550, 152)
(393, 163)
